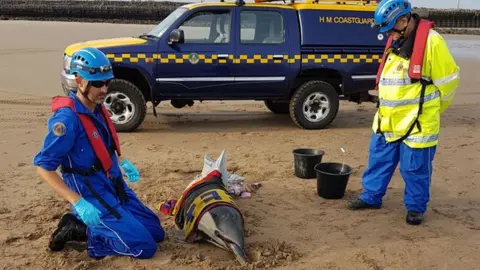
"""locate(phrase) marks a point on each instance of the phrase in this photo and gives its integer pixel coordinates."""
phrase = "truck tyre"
(126, 105)
(277, 107)
(314, 105)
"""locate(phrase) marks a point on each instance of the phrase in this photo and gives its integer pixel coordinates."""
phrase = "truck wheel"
(314, 105)
(126, 105)
(277, 107)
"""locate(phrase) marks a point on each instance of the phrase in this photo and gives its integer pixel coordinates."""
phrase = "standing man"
(416, 83)
(82, 140)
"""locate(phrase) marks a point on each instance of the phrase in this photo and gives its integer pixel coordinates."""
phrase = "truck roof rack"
(344, 2)
(353, 2)
(237, 2)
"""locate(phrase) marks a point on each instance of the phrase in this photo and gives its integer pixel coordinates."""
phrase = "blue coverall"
(415, 168)
(138, 230)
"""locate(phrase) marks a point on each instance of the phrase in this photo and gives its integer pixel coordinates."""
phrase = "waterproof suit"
(127, 226)
(406, 126)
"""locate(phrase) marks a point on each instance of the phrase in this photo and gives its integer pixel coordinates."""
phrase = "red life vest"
(92, 132)
(416, 63)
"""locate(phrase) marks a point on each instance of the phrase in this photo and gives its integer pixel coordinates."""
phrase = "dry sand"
(168, 150)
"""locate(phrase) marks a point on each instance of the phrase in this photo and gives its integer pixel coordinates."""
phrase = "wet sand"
(168, 150)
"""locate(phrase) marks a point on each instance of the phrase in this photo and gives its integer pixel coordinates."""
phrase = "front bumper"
(68, 82)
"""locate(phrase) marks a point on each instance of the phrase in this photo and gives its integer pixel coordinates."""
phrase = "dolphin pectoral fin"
(239, 253)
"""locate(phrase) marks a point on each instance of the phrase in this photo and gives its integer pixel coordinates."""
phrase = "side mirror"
(176, 36)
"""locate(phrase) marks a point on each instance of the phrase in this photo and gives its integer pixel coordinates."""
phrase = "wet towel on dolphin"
(233, 183)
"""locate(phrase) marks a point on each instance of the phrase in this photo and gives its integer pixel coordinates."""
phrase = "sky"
(467, 4)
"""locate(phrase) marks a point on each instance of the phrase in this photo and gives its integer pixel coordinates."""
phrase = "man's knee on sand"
(143, 250)
(154, 227)
(146, 247)
(131, 235)
(142, 247)
(158, 234)
(145, 216)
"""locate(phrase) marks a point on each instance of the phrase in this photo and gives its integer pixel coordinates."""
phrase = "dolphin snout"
(230, 229)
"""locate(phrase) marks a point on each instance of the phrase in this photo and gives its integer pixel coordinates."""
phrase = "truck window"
(207, 27)
(261, 27)
(167, 22)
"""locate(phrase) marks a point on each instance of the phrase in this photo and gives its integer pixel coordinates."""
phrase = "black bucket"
(305, 160)
(331, 181)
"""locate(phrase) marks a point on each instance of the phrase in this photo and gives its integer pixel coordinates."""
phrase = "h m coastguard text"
(349, 20)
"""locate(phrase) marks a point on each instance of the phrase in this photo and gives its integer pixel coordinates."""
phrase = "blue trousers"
(135, 234)
(415, 168)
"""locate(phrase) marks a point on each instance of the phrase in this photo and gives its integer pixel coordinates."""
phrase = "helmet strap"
(85, 93)
(402, 32)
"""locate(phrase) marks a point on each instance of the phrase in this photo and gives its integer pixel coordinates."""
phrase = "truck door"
(262, 51)
(199, 66)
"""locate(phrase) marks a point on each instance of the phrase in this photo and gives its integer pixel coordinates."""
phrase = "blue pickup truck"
(299, 58)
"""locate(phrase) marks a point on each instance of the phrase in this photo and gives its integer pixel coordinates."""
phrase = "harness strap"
(421, 37)
(94, 168)
(101, 200)
(416, 123)
(382, 64)
(91, 171)
(97, 167)
(111, 129)
(120, 189)
(117, 183)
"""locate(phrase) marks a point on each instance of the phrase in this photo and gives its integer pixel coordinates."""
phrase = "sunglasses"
(99, 84)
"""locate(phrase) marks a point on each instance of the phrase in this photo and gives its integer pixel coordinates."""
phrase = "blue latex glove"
(132, 173)
(88, 213)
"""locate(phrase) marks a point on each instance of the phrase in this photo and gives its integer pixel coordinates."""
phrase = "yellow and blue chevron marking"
(241, 59)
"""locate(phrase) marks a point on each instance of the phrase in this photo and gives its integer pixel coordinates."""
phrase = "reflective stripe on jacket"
(399, 97)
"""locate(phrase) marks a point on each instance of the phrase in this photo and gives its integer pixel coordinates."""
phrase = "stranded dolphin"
(206, 212)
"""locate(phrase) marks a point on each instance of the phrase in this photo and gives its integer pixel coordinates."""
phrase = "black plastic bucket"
(331, 181)
(305, 160)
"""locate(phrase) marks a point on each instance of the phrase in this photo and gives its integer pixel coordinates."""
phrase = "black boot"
(69, 229)
(414, 218)
(358, 204)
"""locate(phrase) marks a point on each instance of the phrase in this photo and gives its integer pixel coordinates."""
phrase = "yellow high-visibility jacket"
(399, 98)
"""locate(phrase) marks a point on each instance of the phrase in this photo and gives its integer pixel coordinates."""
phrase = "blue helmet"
(388, 11)
(91, 64)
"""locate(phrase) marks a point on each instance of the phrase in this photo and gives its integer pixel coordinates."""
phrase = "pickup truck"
(299, 58)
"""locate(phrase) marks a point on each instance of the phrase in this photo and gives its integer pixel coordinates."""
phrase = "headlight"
(66, 62)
